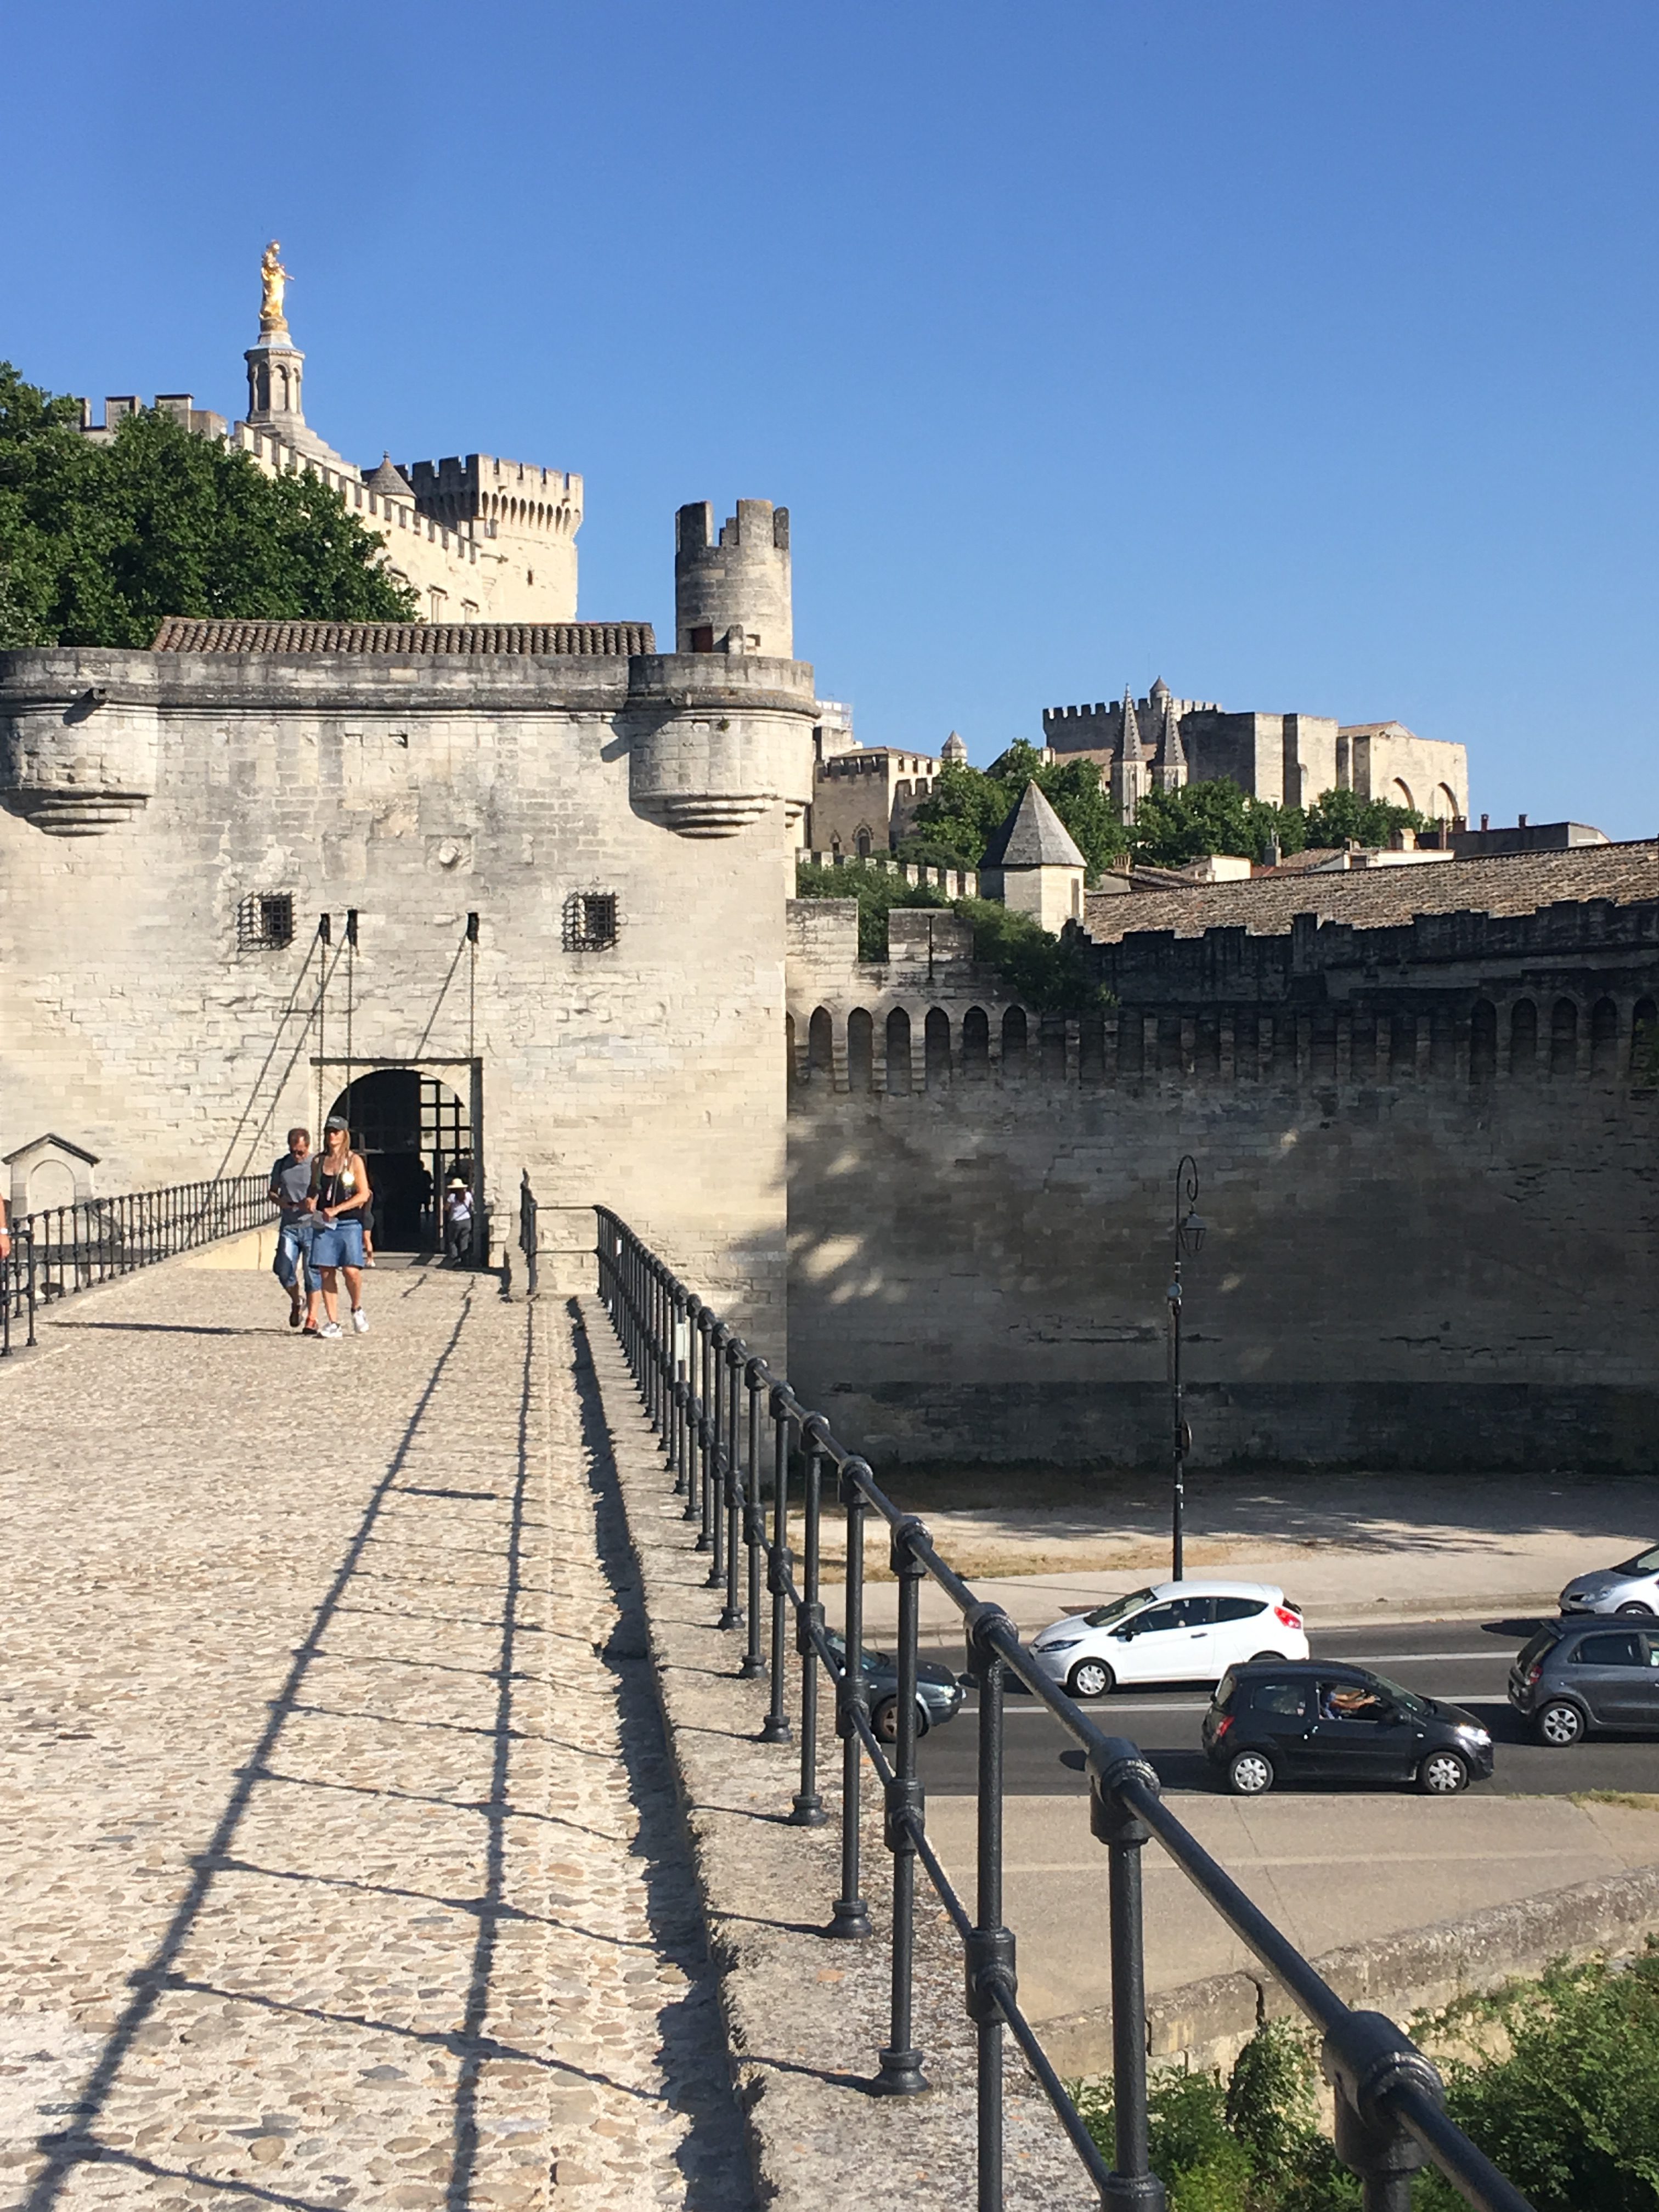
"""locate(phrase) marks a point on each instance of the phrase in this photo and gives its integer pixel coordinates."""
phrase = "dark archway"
(416, 1135)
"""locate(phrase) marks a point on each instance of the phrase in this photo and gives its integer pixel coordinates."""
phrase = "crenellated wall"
(1430, 1161)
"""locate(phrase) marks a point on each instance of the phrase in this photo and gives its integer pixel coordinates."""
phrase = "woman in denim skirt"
(340, 1188)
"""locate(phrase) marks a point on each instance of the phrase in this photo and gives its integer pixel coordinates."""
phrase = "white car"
(1630, 1587)
(1187, 1632)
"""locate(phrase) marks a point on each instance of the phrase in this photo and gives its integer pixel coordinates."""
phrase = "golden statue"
(272, 321)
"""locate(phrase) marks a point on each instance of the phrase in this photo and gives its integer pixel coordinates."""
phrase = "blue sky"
(1303, 355)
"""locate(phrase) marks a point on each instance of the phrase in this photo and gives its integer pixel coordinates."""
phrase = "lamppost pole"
(1188, 1239)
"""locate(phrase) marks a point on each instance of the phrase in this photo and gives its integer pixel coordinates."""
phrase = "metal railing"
(711, 1400)
(65, 1248)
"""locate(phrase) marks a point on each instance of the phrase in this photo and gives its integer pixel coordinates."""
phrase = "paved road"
(1466, 1660)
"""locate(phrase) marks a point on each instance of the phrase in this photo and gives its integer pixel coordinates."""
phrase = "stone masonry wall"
(646, 1075)
(1430, 1165)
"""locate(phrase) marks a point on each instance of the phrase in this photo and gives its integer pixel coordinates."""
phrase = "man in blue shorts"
(291, 1192)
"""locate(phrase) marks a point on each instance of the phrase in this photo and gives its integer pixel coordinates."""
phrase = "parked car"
(1574, 1675)
(1321, 1722)
(1187, 1632)
(938, 1692)
(1630, 1587)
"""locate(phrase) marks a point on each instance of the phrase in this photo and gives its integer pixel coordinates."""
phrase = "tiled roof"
(1377, 898)
(179, 634)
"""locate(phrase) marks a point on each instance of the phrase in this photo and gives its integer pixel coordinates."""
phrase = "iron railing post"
(1134, 2187)
(1370, 2057)
(731, 1612)
(778, 1568)
(697, 1506)
(681, 1389)
(807, 1812)
(899, 2074)
(718, 1343)
(758, 1381)
(851, 1917)
(990, 1950)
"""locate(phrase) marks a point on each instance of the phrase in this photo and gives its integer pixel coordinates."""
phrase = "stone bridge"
(342, 1865)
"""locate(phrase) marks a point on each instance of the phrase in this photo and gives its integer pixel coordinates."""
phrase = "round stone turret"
(953, 752)
(732, 595)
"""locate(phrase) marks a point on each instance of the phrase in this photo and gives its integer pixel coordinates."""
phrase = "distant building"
(1162, 741)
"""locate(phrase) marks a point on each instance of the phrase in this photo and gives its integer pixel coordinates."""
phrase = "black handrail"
(692, 1369)
(65, 1248)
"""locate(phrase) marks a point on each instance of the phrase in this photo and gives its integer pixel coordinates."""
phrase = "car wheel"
(1635, 1606)
(1559, 1724)
(1091, 1678)
(1265, 1658)
(1249, 1773)
(884, 1719)
(1443, 1774)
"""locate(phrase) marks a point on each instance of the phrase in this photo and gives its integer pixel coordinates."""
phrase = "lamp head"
(1192, 1233)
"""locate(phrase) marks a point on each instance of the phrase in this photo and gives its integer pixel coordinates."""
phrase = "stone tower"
(1170, 767)
(720, 729)
(954, 752)
(732, 595)
(1129, 763)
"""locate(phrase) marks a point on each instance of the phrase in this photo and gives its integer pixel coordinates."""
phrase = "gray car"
(1630, 1587)
(1575, 1675)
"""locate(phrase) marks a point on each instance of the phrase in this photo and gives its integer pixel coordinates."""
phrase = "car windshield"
(1119, 1609)
(838, 1645)
(1407, 1700)
(1644, 1563)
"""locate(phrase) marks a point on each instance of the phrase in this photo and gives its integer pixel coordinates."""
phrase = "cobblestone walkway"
(338, 1858)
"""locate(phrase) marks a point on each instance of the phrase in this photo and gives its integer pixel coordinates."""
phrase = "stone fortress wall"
(147, 800)
(1430, 1153)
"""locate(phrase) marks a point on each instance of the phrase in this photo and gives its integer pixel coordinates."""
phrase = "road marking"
(1195, 1704)
(1335, 1858)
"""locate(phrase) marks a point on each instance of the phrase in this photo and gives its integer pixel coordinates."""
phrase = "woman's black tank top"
(333, 1189)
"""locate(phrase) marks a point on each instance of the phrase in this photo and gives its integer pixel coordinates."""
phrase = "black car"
(1573, 1675)
(938, 1693)
(1309, 1722)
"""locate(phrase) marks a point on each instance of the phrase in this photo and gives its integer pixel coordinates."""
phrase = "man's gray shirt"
(292, 1178)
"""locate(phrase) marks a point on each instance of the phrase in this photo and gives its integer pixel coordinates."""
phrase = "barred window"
(590, 922)
(264, 922)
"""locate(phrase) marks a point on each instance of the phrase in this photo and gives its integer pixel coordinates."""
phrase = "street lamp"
(1189, 1227)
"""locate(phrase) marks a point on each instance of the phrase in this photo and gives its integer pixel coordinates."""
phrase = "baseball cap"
(337, 1121)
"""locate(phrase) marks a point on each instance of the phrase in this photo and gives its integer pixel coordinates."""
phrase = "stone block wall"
(1430, 1165)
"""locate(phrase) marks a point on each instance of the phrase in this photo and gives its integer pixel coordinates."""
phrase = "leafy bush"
(878, 892)
(1049, 974)
(1571, 2115)
(100, 543)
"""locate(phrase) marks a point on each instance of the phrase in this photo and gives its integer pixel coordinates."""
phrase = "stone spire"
(1129, 768)
(1170, 767)
(954, 751)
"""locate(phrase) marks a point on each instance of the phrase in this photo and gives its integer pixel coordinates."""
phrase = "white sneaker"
(330, 1328)
(360, 1321)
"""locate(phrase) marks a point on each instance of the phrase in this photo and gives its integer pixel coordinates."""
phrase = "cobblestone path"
(339, 1861)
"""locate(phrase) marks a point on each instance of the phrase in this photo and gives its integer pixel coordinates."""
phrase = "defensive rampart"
(1429, 1169)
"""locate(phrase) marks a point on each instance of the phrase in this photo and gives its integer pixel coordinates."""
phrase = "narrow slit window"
(590, 922)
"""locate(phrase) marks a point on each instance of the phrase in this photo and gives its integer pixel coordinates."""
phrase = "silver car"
(1630, 1587)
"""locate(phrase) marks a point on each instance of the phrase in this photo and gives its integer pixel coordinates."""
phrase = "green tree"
(967, 806)
(1336, 816)
(100, 543)
(1174, 827)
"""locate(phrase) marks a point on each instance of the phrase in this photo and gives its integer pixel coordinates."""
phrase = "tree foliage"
(1174, 827)
(100, 543)
(967, 805)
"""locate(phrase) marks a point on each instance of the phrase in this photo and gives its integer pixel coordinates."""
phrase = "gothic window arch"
(820, 1044)
(1564, 1038)
(1604, 1037)
(860, 1050)
(1523, 1038)
(936, 1044)
(1013, 1041)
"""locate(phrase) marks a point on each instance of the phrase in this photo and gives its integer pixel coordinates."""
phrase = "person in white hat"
(457, 1220)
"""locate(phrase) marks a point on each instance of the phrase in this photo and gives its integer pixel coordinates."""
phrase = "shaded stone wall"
(1431, 1168)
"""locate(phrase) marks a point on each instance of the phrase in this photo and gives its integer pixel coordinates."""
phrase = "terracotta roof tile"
(607, 641)
(1373, 898)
